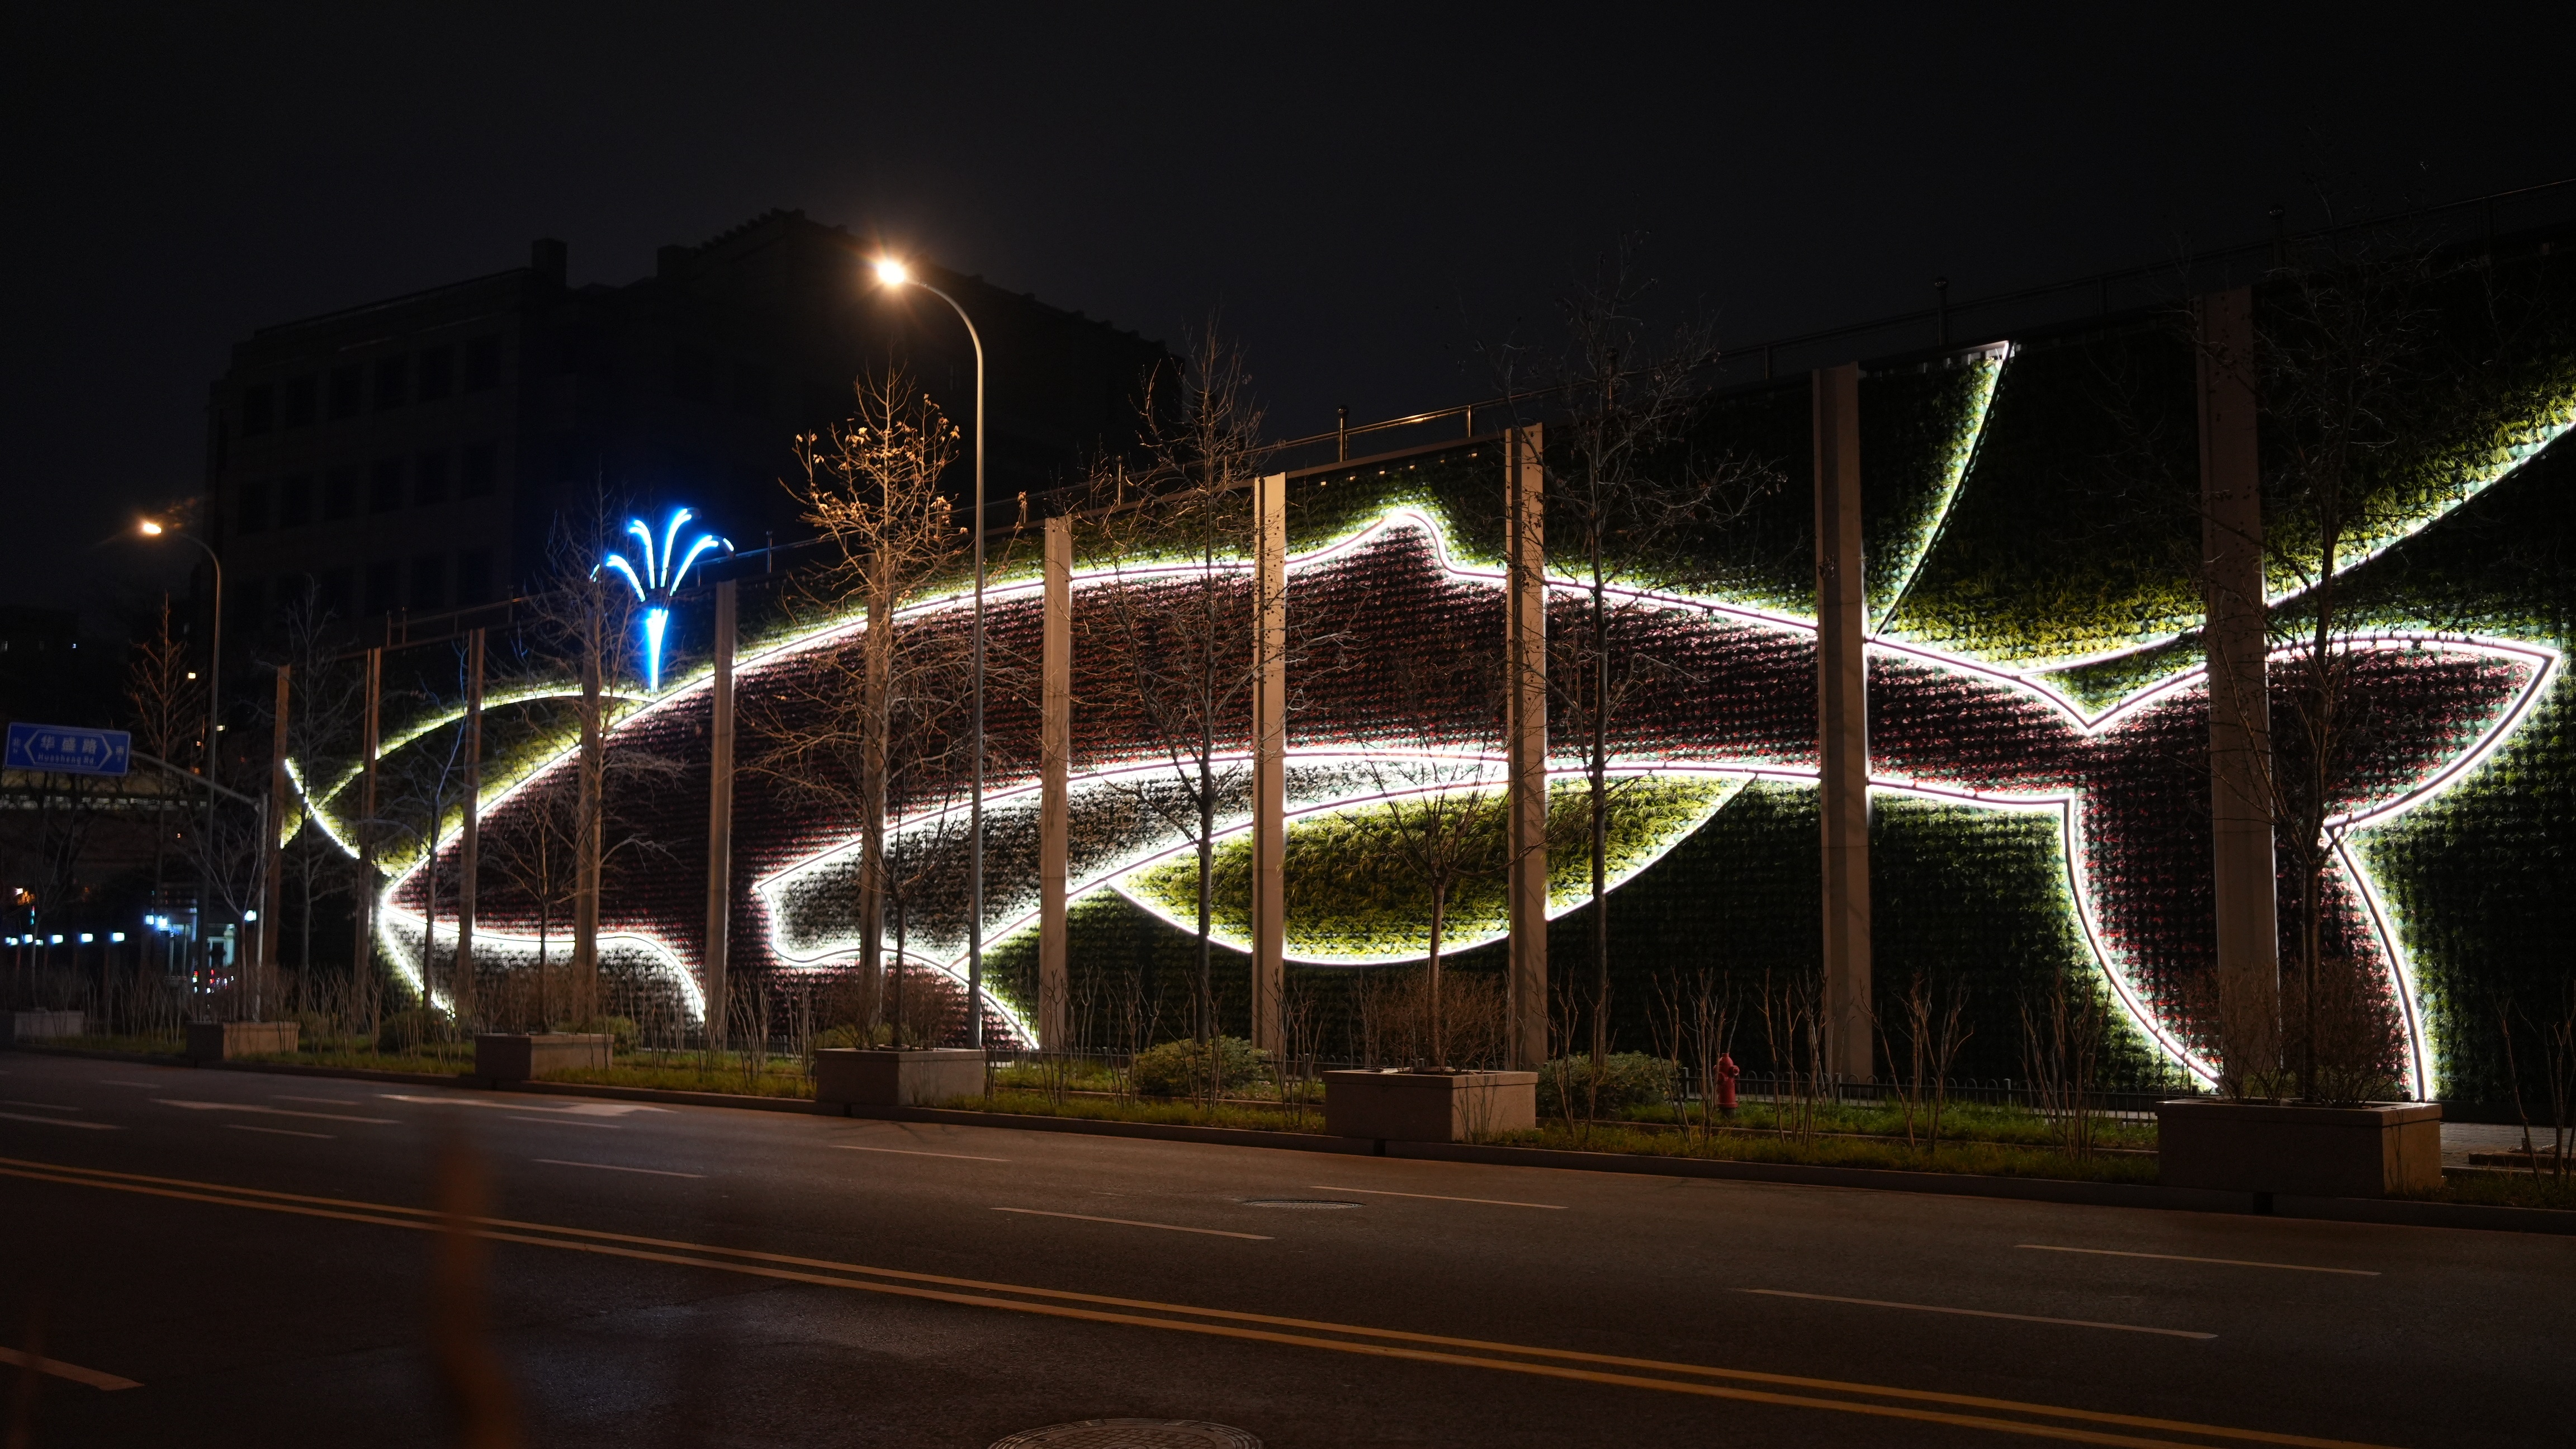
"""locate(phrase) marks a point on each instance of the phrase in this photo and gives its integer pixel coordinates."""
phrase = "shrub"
(1180, 1068)
(1625, 1079)
(620, 1030)
(411, 1028)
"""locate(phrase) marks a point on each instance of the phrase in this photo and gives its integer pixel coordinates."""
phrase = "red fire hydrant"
(1727, 1072)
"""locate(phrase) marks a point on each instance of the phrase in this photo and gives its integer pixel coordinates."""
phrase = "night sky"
(1364, 193)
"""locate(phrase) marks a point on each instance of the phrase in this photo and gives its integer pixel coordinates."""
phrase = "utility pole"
(720, 823)
(469, 843)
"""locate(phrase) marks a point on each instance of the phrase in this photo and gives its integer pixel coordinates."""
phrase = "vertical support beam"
(1525, 739)
(272, 853)
(363, 962)
(469, 839)
(1055, 761)
(2240, 725)
(1270, 763)
(586, 826)
(1842, 722)
(712, 976)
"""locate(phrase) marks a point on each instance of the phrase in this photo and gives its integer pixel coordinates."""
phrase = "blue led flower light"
(662, 574)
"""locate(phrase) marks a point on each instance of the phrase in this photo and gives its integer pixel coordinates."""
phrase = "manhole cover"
(1130, 1434)
(1298, 1202)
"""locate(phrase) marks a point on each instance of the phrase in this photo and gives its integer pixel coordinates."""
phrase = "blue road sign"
(69, 750)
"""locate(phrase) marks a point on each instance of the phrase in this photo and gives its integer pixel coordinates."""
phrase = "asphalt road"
(253, 1254)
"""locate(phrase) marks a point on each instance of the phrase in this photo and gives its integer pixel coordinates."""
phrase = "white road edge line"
(62, 1122)
(113, 1082)
(275, 1111)
(331, 1101)
(1554, 1207)
(62, 1370)
(909, 1152)
(2183, 1258)
(1980, 1313)
(280, 1131)
(1133, 1223)
(613, 1167)
(39, 1106)
(566, 1122)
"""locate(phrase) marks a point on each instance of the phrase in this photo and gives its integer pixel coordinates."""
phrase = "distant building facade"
(413, 456)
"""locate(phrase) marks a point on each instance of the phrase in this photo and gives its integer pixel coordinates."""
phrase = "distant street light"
(214, 683)
(892, 273)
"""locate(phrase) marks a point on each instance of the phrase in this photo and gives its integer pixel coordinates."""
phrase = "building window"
(344, 392)
(429, 477)
(437, 371)
(250, 508)
(259, 410)
(331, 592)
(482, 364)
(693, 375)
(384, 576)
(393, 382)
(473, 577)
(295, 501)
(751, 390)
(299, 402)
(339, 493)
(428, 581)
(480, 473)
(385, 486)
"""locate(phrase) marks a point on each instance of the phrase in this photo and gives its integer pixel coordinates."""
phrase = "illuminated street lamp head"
(892, 273)
(151, 529)
(662, 572)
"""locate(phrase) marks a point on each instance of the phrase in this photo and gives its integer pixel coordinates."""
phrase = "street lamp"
(149, 528)
(891, 274)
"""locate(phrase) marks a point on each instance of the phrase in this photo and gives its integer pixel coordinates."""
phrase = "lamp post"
(890, 274)
(214, 684)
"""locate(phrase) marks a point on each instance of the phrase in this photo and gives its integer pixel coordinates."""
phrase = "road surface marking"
(62, 1370)
(39, 1106)
(275, 1111)
(1442, 1197)
(1133, 1223)
(2180, 1258)
(1979, 1313)
(280, 1131)
(1094, 1307)
(909, 1152)
(332, 1101)
(568, 1122)
(612, 1167)
(576, 1109)
(113, 1082)
(62, 1122)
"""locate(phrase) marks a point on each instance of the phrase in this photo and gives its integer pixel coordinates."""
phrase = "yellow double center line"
(2045, 1421)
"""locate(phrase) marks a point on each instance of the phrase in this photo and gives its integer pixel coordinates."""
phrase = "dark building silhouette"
(414, 455)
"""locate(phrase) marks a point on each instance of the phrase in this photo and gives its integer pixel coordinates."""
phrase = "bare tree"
(1633, 499)
(1171, 533)
(870, 486)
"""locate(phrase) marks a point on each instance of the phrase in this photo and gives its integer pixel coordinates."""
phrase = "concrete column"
(272, 848)
(1525, 742)
(587, 827)
(2240, 726)
(1270, 762)
(1055, 818)
(1842, 722)
(713, 974)
(469, 843)
(363, 909)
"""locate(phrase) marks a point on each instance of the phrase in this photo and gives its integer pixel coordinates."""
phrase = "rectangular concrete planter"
(866, 1077)
(517, 1056)
(41, 1025)
(221, 1041)
(2377, 1149)
(1401, 1106)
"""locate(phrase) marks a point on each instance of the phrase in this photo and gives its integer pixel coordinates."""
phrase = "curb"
(2382, 1212)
